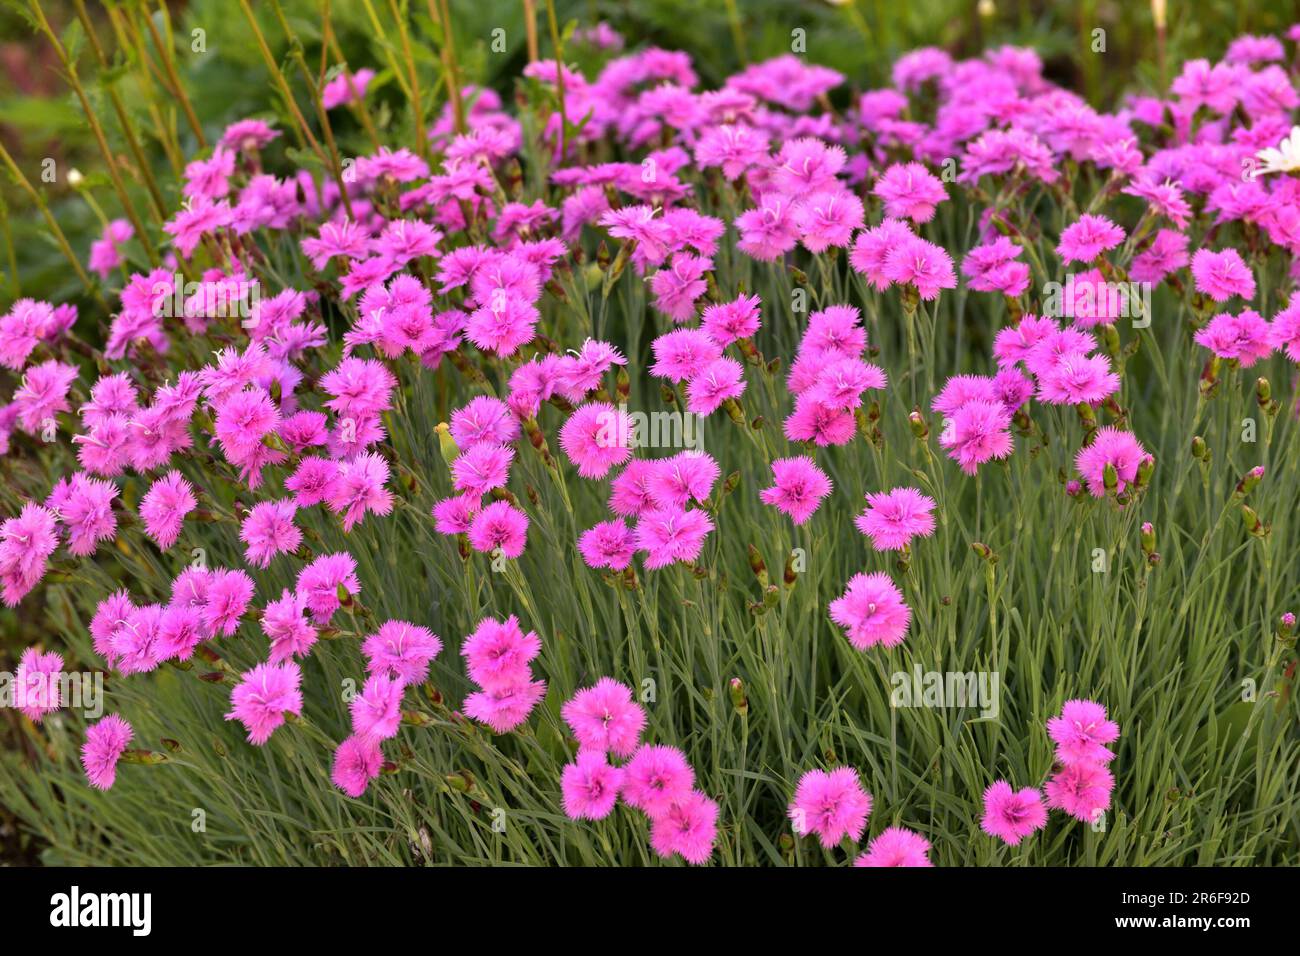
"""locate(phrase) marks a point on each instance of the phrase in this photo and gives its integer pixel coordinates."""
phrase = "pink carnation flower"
(1085, 240)
(268, 530)
(910, 191)
(1011, 815)
(1221, 275)
(687, 828)
(401, 651)
(655, 778)
(605, 717)
(596, 438)
(1245, 338)
(799, 487)
(105, 743)
(894, 518)
(1081, 733)
(357, 761)
(164, 507)
(833, 805)
(872, 611)
(1110, 446)
(499, 525)
(896, 846)
(1081, 789)
(263, 697)
(590, 786)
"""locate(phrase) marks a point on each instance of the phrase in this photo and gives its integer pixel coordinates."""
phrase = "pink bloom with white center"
(770, 231)
(359, 487)
(1221, 275)
(729, 322)
(1110, 446)
(86, 509)
(268, 530)
(506, 709)
(977, 432)
(604, 717)
(324, 580)
(1081, 732)
(872, 247)
(1077, 379)
(894, 518)
(499, 525)
(401, 651)
(828, 219)
(921, 264)
(872, 611)
(720, 381)
(678, 286)
(264, 696)
(596, 438)
(831, 804)
(798, 489)
(672, 534)
(26, 543)
(608, 544)
(377, 710)
(1085, 240)
(910, 191)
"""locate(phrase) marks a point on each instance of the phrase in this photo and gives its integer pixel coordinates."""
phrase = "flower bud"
(446, 444)
(1249, 481)
(917, 423)
(1148, 538)
(738, 699)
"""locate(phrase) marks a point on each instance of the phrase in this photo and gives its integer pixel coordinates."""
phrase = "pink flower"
(677, 287)
(1221, 275)
(26, 542)
(377, 710)
(481, 468)
(770, 231)
(228, 594)
(596, 438)
(262, 698)
(1110, 446)
(688, 828)
(85, 506)
(721, 380)
(268, 530)
(1284, 332)
(1081, 731)
(1167, 253)
(993, 268)
(105, 743)
(799, 487)
(609, 544)
(504, 710)
(499, 525)
(36, 683)
(872, 611)
(1011, 815)
(1077, 379)
(1081, 789)
(1245, 337)
(729, 322)
(894, 518)
(357, 761)
(672, 534)
(922, 264)
(833, 805)
(285, 624)
(655, 778)
(976, 433)
(735, 147)
(164, 507)
(503, 324)
(359, 487)
(346, 88)
(828, 219)
(683, 354)
(402, 651)
(872, 248)
(105, 255)
(324, 582)
(483, 419)
(498, 653)
(590, 786)
(819, 423)
(1085, 240)
(605, 718)
(840, 383)
(910, 191)
(896, 846)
